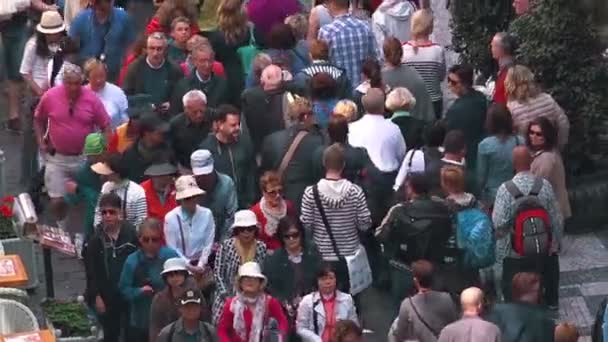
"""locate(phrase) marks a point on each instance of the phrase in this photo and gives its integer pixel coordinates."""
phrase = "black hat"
(162, 169)
(191, 296)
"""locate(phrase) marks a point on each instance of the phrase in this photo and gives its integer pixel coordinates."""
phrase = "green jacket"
(89, 186)
(135, 83)
(237, 161)
(216, 89)
(281, 274)
(522, 322)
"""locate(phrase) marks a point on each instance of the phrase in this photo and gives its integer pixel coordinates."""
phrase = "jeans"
(546, 266)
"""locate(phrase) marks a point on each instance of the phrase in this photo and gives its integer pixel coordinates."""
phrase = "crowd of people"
(247, 169)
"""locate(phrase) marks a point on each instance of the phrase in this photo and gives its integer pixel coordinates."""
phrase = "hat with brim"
(164, 169)
(174, 265)
(245, 218)
(102, 169)
(252, 270)
(186, 187)
(191, 296)
(51, 23)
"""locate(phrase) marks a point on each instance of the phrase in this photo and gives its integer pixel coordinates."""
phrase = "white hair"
(400, 98)
(194, 95)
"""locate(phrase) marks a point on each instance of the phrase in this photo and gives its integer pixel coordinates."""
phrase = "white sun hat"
(186, 187)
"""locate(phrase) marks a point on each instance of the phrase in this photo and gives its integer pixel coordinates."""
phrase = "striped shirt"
(135, 208)
(346, 211)
(541, 105)
(350, 42)
(429, 61)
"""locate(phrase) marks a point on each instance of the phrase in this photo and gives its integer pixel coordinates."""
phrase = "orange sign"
(34, 336)
(12, 271)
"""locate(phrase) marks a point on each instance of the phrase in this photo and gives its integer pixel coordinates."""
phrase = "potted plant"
(70, 320)
(7, 224)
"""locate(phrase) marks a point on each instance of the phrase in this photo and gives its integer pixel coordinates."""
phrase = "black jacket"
(104, 261)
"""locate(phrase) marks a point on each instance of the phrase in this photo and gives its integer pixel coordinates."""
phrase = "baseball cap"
(201, 162)
(94, 144)
(190, 296)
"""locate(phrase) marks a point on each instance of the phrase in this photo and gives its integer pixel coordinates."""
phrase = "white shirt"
(115, 102)
(198, 233)
(413, 162)
(381, 138)
(34, 65)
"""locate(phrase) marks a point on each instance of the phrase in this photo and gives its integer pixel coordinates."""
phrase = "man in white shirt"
(189, 228)
(386, 148)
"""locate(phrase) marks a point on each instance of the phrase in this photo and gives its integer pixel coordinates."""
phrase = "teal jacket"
(89, 187)
(137, 272)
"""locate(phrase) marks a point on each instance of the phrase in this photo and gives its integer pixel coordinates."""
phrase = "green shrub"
(561, 46)
(474, 23)
(70, 317)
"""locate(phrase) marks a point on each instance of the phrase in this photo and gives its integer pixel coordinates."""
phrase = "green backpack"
(248, 53)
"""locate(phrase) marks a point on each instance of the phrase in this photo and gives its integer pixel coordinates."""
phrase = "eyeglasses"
(109, 212)
(147, 239)
(535, 133)
(292, 236)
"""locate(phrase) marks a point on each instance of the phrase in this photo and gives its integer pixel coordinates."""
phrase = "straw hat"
(51, 23)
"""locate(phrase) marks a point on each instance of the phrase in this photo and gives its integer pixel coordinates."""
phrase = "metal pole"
(48, 272)
(2, 174)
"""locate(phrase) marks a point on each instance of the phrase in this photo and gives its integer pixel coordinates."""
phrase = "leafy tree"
(474, 23)
(559, 43)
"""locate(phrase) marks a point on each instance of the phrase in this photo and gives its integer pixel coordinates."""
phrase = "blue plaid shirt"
(351, 42)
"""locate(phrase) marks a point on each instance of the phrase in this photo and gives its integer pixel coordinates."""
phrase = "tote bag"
(248, 53)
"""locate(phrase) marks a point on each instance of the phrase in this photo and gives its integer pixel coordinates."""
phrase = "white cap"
(201, 162)
(245, 218)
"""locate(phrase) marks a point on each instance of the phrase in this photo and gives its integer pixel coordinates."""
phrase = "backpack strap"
(315, 192)
(513, 189)
(181, 233)
(291, 151)
(171, 332)
(409, 163)
(422, 319)
(536, 187)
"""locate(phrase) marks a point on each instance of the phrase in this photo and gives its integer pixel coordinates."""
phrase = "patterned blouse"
(227, 263)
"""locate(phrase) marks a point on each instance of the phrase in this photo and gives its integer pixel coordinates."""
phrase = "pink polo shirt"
(68, 132)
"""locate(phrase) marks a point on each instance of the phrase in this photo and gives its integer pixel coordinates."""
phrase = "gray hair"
(158, 36)
(70, 69)
(204, 48)
(194, 95)
(400, 99)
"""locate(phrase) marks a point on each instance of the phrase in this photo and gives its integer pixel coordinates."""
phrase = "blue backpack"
(475, 237)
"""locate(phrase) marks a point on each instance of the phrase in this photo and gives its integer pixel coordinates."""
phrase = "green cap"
(94, 144)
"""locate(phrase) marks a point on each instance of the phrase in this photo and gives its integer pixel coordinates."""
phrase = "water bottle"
(273, 334)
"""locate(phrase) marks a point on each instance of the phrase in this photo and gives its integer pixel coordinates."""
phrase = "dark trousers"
(402, 286)
(114, 321)
(453, 279)
(137, 335)
(438, 108)
(546, 266)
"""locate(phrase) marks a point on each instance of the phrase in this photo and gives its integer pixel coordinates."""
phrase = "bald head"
(373, 101)
(272, 77)
(471, 300)
(522, 159)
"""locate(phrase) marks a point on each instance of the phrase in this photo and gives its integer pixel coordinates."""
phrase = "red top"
(500, 93)
(154, 26)
(329, 305)
(125, 67)
(272, 242)
(225, 329)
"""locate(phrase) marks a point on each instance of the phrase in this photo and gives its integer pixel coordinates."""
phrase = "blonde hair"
(296, 108)
(400, 99)
(422, 23)
(92, 64)
(520, 84)
(298, 24)
(347, 109)
(452, 179)
(232, 20)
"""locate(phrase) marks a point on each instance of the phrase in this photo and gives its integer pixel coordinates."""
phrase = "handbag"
(359, 271)
(248, 53)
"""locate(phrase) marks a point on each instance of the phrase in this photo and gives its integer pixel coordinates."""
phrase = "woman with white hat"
(189, 228)
(247, 315)
(165, 308)
(241, 248)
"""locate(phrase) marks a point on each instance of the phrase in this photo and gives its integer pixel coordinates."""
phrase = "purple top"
(266, 13)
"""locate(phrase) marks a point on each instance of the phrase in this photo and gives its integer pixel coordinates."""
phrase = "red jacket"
(500, 93)
(155, 208)
(272, 242)
(225, 329)
(154, 26)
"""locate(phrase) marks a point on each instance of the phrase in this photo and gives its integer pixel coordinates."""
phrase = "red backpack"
(531, 234)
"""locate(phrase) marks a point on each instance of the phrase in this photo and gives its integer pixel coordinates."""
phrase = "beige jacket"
(549, 165)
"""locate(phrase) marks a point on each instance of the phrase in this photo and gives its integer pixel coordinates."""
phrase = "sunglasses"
(535, 133)
(147, 239)
(247, 229)
(109, 212)
(292, 236)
